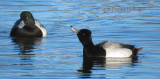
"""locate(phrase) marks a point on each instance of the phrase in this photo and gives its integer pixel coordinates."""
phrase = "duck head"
(84, 36)
(28, 19)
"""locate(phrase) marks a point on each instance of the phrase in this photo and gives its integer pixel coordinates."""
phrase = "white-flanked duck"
(27, 26)
(105, 48)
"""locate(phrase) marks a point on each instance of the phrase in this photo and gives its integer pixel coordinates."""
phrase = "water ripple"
(59, 55)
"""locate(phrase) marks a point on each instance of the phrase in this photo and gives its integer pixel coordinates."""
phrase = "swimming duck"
(105, 48)
(27, 26)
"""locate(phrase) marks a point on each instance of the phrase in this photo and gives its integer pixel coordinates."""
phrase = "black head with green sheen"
(27, 18)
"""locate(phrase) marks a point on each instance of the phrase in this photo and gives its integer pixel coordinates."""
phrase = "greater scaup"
(105, 48)
(27, 26)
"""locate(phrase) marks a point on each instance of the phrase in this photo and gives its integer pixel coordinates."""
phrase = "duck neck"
(88, 45)
(88, 49)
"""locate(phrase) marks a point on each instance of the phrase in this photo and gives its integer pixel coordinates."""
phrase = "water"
(59, 55)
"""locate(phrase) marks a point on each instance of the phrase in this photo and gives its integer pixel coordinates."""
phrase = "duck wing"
(14, 28)
(110, 44)
(115, 49)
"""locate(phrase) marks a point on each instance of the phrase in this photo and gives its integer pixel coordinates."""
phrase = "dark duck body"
(27, 26)
(105, 48)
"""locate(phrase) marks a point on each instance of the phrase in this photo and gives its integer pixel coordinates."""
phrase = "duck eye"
(27, 18)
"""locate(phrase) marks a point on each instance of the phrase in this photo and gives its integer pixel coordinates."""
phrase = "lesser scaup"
(105, 48)
(27, 26)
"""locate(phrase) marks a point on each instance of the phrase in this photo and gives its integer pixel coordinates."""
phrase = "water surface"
(59, 55)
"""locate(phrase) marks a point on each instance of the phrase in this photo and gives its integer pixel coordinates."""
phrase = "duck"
(27, 26)
(105, 48)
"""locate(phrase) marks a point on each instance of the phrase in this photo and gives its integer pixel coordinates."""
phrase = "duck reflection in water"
(91, 64)
(27, 46)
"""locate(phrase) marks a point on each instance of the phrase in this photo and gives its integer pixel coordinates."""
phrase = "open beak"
(74, 30)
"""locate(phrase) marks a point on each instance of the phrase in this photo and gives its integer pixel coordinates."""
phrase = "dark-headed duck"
(105, 48)
(27, 26)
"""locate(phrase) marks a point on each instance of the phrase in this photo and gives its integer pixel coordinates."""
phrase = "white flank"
(44, 32)
(114, 49)
(21, 24)
(118, 52)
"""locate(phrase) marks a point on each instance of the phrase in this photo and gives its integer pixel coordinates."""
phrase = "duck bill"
(74, 30)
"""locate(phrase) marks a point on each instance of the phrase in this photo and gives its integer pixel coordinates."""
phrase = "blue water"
(59, 55)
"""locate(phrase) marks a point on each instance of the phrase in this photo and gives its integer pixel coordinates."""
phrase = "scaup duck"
(105, 48)
(27, 26)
